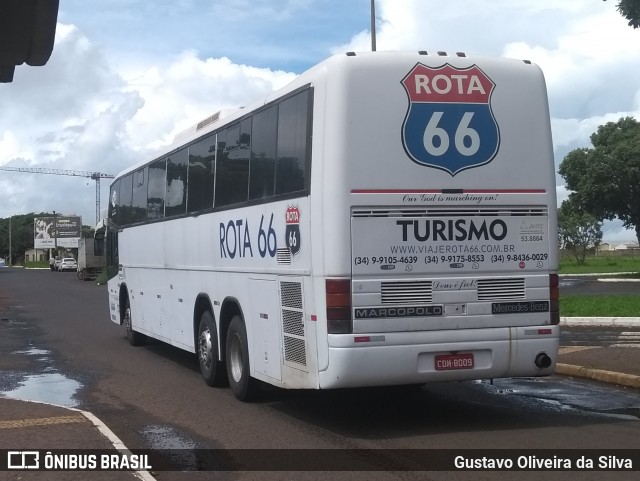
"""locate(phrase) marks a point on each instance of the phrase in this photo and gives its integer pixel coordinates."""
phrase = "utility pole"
(55, 231)
(10, 253)
(373, 25)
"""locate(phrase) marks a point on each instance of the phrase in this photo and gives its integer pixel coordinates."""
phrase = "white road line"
(115, 440)
(106, 432)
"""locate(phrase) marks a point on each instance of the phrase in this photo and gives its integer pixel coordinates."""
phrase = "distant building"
(605, 246)
(35, 255)
(625, 245)
(620, 247)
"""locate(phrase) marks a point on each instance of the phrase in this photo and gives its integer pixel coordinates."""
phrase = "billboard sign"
(51, 232)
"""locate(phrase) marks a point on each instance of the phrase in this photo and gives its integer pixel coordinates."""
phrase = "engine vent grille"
(295, 352)
(292, 322)
(291, 294)
(408, 292)
(501, 289)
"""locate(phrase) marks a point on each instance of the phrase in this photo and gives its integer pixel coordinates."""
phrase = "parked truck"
(89, 264)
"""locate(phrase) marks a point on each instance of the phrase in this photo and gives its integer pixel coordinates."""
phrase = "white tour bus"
(387, 218)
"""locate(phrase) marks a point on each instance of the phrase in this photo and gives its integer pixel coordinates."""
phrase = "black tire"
(134, 338)
(243, 386)
(213, 370)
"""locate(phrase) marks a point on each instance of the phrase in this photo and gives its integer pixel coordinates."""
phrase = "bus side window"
(232, 164)
(139, 200)
(176, 197)
(262, 168)
(292, 144)
(112, 251)
(155, 192)
(202, 157)
(114, 196)
(124, 201)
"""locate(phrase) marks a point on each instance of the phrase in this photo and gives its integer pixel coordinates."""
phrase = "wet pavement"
(32, 373)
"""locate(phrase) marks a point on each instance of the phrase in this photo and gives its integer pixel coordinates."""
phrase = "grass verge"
(600, 306)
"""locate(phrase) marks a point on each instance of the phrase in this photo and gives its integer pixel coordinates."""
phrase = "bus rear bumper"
(382, 359)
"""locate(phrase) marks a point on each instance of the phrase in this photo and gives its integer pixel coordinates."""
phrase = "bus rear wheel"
(212, 369)
(243, 386)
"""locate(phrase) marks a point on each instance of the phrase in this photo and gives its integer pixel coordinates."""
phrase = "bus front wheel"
(243, 386)
(211, 368)
(134, 338)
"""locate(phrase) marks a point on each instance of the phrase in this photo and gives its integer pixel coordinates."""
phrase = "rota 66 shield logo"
(292, 231)
(449, 123)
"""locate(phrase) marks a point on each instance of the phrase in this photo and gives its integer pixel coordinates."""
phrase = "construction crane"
(76, 173)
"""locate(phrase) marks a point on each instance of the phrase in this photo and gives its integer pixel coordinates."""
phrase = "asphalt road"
(52, 324)
(598, 285)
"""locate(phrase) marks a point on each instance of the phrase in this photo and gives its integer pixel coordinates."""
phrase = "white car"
(67, 264)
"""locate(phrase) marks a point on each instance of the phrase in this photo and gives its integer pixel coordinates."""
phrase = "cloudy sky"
(126, 75)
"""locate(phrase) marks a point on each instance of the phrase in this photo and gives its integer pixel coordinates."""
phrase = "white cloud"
(11, 147)
(592, 70)
(79, 113)
(467, 25)
(189, 89)
(614, 231)
(590, 57)
(574, 133)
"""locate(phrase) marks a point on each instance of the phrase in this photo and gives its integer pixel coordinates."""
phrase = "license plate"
(449, 362)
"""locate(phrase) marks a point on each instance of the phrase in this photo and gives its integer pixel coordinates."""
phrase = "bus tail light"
(339, 306)
(554, 297)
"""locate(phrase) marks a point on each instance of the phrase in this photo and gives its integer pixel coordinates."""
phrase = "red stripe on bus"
(439, 191)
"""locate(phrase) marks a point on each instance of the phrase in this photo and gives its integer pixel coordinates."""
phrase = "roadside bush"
(36, 265)
(102, 278)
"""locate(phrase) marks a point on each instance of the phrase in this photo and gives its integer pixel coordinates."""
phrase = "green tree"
(88, 231)
(605, 179)
(578, 230)
(630, 9)
(21, 229)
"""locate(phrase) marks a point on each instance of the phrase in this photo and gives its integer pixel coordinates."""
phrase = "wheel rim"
(205, 348)
(127, 318)
(235, 358)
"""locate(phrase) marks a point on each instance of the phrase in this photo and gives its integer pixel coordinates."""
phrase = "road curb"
(609, 377)
(596, 274)
(601, 321)
(94, 421)
(605, 279)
